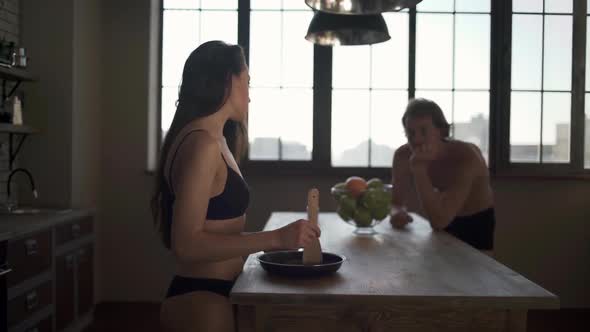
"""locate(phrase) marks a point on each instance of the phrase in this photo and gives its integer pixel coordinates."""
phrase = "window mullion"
(244, 41)
(578, 117)
(322, 106)
(500, 83)
(412, 55)
(543, 20)
(244, 27)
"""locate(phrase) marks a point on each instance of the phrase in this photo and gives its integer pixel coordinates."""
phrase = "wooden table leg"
(516, 321)
(261, 318)
(244, 318)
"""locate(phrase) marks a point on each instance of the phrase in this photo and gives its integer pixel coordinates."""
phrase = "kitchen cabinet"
(26, 304)
(64, 286)
(74, 286)
(85, 273)
(29, 256)
(51, 285)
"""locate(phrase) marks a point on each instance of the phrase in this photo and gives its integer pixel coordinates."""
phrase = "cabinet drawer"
(85, 279)
(29, 257)
(64, 290)
(42, 326)
(73, 230)
(24, 305)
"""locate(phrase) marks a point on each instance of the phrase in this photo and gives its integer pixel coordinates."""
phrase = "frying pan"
(290, 263)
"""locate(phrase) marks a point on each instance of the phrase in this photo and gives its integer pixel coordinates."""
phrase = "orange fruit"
(356, 185)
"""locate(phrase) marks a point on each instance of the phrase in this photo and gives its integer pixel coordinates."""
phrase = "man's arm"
(442, 207)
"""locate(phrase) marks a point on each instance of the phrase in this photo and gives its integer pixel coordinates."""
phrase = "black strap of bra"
(225, 161)
(174, 157)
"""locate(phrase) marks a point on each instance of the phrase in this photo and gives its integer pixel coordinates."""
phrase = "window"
(453, 64)
(371, 84)
(507, 74)
(369, 94)
(540, 106)
(185, 25)
(280, 120)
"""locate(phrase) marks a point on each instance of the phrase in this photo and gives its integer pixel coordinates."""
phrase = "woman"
(447, 180)
(201, 197)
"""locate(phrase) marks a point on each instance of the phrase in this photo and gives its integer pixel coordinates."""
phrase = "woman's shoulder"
(197, 144)
(197, 138)
(193, 149)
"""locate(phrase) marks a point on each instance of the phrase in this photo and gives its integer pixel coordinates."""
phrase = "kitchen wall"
(132, 264)
(9, 20)
(65, 103)
(87, 103)
(542, 224)
(10, 31)
(47, 30)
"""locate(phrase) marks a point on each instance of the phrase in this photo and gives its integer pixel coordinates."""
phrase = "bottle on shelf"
(17, 113)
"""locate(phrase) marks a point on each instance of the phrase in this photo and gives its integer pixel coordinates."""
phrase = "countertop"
(12, 226)
(415, 265)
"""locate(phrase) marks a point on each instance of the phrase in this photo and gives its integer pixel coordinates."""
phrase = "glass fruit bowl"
(362, 204)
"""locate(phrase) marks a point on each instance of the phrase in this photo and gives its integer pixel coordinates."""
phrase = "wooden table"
(408, 280)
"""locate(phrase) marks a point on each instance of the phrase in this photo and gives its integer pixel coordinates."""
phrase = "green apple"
(347, 204)
(362, 217)
(340, 186)
(384, 206)
(375, 183)
(382, 197)
(344, 214)
(370, 199)
(380, 213)
(340, 189)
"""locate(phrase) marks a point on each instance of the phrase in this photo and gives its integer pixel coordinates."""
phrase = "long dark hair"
(419, 107)
(205, 88)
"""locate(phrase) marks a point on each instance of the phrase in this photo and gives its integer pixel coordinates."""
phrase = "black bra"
(233, 200)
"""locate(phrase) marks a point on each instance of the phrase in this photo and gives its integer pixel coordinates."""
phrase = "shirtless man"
(443, 179)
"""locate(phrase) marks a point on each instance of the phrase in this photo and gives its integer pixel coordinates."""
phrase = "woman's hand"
(400, 219)
(421, 156)
(297, 234)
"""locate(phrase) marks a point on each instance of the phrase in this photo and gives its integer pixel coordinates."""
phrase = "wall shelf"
(15, 74)
(16, 129)
(13, 130)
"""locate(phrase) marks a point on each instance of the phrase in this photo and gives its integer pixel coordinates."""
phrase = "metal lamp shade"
(331, 29)
(360, 7)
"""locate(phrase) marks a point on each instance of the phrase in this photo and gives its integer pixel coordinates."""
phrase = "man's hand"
(421, 156)
(400, 218)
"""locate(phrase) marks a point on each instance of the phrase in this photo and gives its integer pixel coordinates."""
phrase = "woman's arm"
(193, 181)
(230, 226)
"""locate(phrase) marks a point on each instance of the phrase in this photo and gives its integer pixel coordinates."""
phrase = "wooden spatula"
(312, 254)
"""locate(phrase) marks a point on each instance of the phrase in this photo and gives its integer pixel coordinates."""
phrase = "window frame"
(499, 92)
(500, 163)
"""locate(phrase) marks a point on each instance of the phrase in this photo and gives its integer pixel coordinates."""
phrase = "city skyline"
(475, 131)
